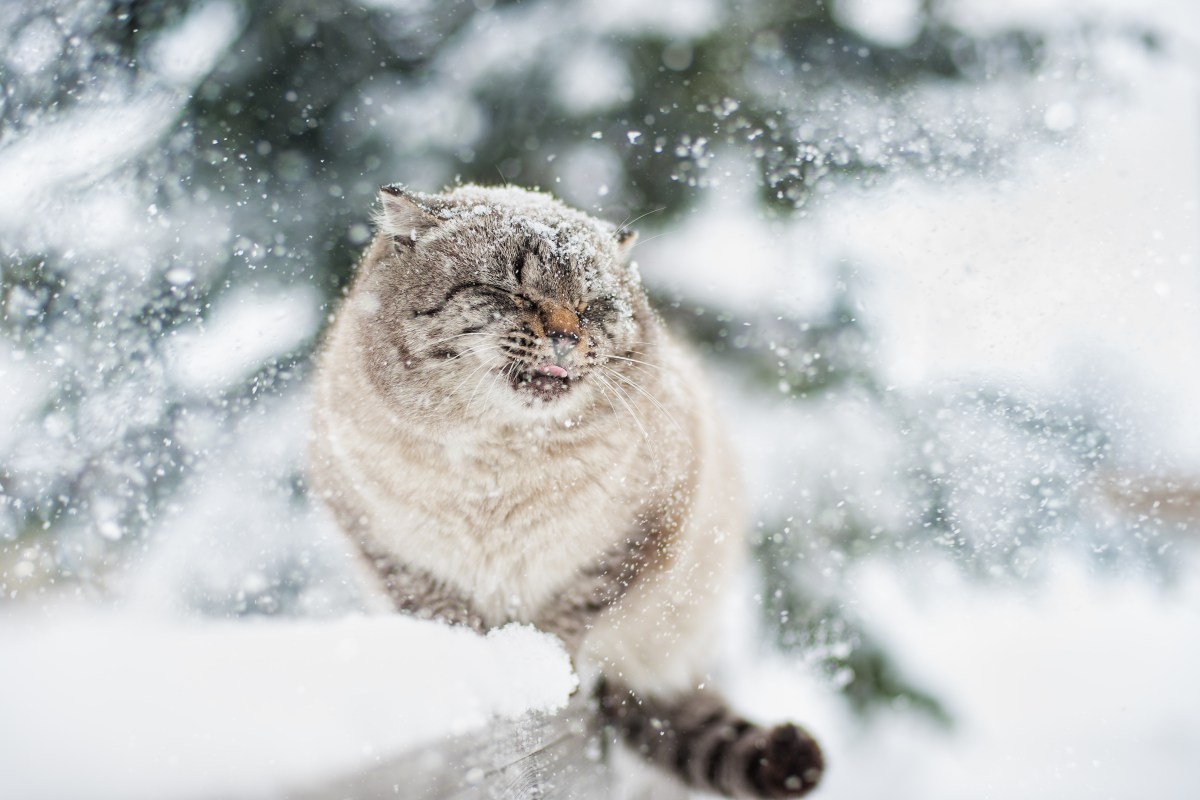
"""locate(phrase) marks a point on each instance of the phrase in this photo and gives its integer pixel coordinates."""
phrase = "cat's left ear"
(626, 239)
(406, 216)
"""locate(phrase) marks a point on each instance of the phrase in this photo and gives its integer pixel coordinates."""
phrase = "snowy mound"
(152, 709)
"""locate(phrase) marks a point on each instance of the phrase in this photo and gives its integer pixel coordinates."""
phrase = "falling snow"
(941, 270)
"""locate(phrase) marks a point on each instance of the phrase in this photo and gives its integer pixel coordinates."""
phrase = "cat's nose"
(562, 343)
(561, 327)
(559, 319)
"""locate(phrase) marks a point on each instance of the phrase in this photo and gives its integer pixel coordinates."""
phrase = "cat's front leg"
(571, 613)
(415, 591)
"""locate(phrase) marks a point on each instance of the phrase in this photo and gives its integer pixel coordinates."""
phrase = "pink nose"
(562, 344)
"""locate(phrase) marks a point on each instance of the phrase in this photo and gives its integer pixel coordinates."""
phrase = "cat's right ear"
(404, 216)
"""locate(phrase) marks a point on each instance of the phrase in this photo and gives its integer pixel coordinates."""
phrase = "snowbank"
(106, 706)
(1080, 690)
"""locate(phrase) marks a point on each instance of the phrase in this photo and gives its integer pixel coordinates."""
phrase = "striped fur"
(709, 747)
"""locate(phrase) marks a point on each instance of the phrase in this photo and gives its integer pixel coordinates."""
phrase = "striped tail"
(697, 738)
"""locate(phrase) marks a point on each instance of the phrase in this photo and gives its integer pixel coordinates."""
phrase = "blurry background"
(941, 255)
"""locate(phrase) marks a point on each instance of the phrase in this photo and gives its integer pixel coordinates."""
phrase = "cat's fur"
(508, 433)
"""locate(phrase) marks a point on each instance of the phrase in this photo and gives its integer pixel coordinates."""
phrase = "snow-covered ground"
(106, 705)
(1080, 690)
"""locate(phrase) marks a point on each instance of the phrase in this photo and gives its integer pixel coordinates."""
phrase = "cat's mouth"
(544, 381)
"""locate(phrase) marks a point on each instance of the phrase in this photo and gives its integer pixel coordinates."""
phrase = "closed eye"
(598, 310)
(458, 289)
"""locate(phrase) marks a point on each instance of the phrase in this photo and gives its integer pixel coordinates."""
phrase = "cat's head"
(499, 303)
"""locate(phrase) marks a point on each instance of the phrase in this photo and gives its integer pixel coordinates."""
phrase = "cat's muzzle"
(546, 381)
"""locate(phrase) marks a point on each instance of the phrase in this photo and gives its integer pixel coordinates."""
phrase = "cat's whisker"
(651, 397)
(430, 346)
(604, 392)
(608, 399)
(636, 361)
(632, 349)
(625, 225)
(471, 351)
(640, 242)
(605, 386)
(475, 391)
(508, 371)
(642, 353)
(462, 335)
(625, 400)
(450, 395)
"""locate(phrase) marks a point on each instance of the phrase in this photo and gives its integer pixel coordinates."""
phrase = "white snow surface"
(107, 705)
(1074, 691)
(1071, 691)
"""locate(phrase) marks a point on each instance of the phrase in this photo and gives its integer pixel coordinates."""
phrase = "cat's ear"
(626, 239)
(405, 216)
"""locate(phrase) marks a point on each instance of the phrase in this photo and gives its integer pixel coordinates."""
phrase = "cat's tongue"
(553, 370)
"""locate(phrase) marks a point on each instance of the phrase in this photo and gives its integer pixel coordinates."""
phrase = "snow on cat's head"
(499, 304)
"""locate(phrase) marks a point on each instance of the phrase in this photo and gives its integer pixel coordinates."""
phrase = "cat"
(508, 433)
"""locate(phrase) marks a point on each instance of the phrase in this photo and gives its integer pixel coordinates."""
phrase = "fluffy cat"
(508, 432)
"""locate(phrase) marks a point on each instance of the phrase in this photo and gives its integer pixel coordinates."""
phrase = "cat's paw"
(784, 762)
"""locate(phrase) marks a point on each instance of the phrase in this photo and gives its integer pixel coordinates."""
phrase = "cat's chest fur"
(507, 521)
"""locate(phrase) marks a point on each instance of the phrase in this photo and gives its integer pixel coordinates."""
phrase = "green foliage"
(825, 634)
